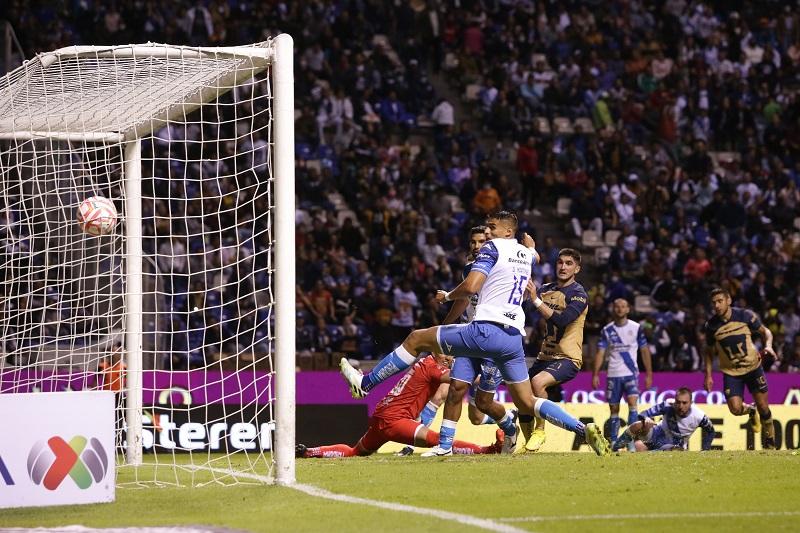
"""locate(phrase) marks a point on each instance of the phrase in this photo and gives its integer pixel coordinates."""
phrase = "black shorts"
(755, 380)
(562, 370)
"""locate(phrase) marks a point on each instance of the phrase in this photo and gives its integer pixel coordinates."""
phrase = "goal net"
(186, 308)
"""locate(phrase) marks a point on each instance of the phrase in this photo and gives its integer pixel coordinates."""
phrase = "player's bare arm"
(599, 357)
(456, 311)
(766, 334)
(647, 360)
(709, 357)
(471, 285)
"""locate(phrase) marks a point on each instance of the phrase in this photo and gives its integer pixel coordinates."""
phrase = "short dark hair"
(717, 291)
(477, 229)
(571, 252)
(683, 390)
(507, 216)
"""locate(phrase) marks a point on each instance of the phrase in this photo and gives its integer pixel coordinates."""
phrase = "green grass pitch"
(713, 491)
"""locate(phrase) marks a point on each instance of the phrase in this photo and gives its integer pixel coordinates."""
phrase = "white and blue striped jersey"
(678, 429)
(508, 266)
(622, 343)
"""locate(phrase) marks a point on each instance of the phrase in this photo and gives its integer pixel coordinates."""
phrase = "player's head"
(683, 401)
(620, 308)
(502, 225)
(568, 264)
(720, 301)
(444, 360)
(477, 236)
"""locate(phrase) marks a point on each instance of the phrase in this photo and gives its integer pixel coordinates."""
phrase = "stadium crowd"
(674, 123)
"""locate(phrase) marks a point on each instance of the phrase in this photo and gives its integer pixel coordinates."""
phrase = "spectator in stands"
(690, 98)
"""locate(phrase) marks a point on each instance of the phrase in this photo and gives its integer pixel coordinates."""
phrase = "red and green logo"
(51, 462)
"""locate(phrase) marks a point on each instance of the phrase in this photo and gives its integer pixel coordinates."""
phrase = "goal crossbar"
(125, 109)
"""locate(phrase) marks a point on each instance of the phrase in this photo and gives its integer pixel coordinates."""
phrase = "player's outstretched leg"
(334, 450)
(595, 439)
(399, 359)
(460, 447)
(557, 416)
(353, 378)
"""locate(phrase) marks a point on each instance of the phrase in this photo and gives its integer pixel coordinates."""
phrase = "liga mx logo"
(50, 462)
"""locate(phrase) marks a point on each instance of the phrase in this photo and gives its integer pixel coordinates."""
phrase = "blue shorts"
(562, 370)
(755, 380)
(658, 441)
(625, 385)
(467, 369)
(487, 340)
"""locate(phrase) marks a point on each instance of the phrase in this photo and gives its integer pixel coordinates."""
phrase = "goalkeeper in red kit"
(395, 416)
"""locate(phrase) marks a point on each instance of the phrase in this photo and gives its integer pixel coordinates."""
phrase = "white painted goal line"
(649, 516)
(474, 521)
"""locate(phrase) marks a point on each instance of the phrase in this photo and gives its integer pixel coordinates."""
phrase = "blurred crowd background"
(660, 138)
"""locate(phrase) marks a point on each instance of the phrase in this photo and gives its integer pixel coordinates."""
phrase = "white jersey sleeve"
(507, 265)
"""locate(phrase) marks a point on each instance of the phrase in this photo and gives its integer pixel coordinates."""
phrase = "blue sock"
(488, 420)
(507, 424)
(559, 417)
(395, 362)
(633, 415)
(428, 413)
(623, 440)
(447, 434)
(613, 427)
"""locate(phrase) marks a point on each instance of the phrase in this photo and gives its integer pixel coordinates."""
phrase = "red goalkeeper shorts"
(382, 431)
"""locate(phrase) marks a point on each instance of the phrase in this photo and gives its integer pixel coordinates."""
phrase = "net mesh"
(204, 122)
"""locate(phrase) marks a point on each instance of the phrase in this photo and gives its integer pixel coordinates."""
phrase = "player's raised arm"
(529, 243)
(574, 308)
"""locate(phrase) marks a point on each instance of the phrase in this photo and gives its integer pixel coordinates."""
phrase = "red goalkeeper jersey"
(407, 399)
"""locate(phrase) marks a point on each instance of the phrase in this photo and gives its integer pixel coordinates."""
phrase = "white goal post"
(202, 261)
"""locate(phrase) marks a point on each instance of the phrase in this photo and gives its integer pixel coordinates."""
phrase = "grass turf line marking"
(474, 521)
(731, 514)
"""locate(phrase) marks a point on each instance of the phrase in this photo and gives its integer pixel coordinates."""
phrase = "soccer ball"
(97, 216)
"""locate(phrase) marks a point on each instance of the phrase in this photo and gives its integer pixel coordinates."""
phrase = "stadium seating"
(643, 304)
(611, 237)
(591, 239)
(562, 206)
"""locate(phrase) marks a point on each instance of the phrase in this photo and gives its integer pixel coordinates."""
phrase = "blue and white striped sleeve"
(487, 258)
(656, 410)
(603, 342)
(708, 433)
